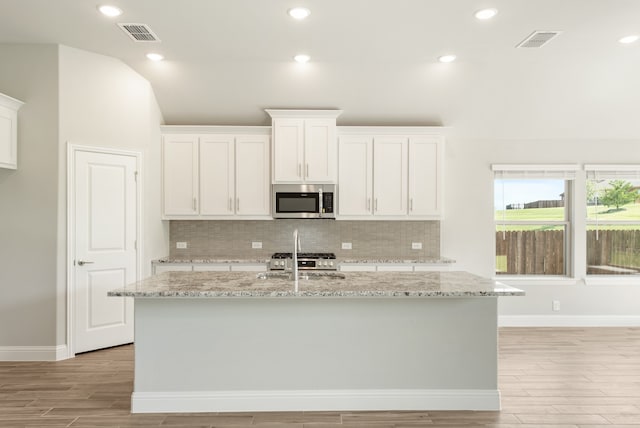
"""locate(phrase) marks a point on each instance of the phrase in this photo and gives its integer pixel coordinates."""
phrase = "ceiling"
(228, 60)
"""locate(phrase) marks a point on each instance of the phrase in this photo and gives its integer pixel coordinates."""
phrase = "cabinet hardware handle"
(299, 170)
(375, 205)
(307, 174)
(84, 262)
(411, 204)
(194, 204)
(230, 204)
(237, 204)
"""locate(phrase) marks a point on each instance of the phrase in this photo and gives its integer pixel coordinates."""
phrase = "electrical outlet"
(181, 245)
(555, 305)
(346, 245)
(256, 245)
(416, 245)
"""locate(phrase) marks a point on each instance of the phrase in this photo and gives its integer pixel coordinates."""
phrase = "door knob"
(83, 262)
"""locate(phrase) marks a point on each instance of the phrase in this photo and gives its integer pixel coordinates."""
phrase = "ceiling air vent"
(139, 32)
(537, 39)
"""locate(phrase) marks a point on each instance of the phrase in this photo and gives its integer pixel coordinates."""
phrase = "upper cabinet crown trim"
(304, 114)
(392, 130)
(9, 102)
(215, 129)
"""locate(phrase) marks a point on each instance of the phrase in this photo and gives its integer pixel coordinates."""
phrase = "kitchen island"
(231, 341)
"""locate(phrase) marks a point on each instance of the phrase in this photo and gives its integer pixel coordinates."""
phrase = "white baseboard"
(569, 321)
(309, 400)
(33, 353)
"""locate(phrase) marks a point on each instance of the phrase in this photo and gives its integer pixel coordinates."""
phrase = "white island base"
(315, 353)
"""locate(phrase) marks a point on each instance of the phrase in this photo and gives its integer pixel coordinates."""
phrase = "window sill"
(536, 280)
(612, 280)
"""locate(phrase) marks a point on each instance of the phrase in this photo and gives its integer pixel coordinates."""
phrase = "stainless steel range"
(306, 261)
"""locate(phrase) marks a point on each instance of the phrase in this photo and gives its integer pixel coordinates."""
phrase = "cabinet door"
(288, 136)
(390, 176)
(180, 175)
(355, 176)
(320, 150)
(425, 176)
(253, 194)
(217, 175)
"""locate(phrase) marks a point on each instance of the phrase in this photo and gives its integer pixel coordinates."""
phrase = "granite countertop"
(354, 284)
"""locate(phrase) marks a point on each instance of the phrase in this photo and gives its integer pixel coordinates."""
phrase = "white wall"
(28, 195)
(468, 228)
(104, 103)
(77, 96)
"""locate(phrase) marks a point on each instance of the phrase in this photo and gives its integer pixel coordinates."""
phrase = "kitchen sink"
(303, 275)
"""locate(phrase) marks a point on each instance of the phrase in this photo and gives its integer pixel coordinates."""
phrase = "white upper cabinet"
(9, 131)
(355, 182)
(304, 146)
(180, 175)
(387, 176)
(216, 175)
(425, 176)
(253, 188)
(390, 176)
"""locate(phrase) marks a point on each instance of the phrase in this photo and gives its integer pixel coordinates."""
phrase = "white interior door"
(105, 193)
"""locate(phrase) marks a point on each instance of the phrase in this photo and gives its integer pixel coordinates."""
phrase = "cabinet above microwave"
(305, 146)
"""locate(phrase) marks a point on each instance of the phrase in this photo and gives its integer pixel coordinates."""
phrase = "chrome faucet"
(296, 248)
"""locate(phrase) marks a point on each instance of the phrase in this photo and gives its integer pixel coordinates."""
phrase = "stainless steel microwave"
(304, 201)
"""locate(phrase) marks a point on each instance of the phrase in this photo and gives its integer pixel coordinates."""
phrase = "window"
(613, 219)
(532, 207)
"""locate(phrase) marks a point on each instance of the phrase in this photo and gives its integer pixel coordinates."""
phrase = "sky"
(522, 191)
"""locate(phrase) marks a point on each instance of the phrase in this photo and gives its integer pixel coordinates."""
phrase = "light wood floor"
(553, 378)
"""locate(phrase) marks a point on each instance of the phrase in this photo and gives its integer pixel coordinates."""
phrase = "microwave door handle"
(320, 202)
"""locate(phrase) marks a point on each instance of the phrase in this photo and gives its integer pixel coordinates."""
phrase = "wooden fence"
(613, 251)
(541, 252)
(531, 252)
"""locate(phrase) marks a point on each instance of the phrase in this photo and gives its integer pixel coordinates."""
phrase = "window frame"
(608, 172)
(566, 172)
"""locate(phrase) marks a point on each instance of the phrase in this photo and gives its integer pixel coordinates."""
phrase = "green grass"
(629, 212)
(531, 214)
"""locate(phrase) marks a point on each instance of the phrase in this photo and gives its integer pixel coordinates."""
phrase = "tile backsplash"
(369, 239)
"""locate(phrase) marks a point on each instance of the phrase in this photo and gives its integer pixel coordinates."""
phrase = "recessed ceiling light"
(302, 58)
(447, 58)
(629, 39)
(299, 12)
(109, 10)
(155, 56)
(486, 13)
